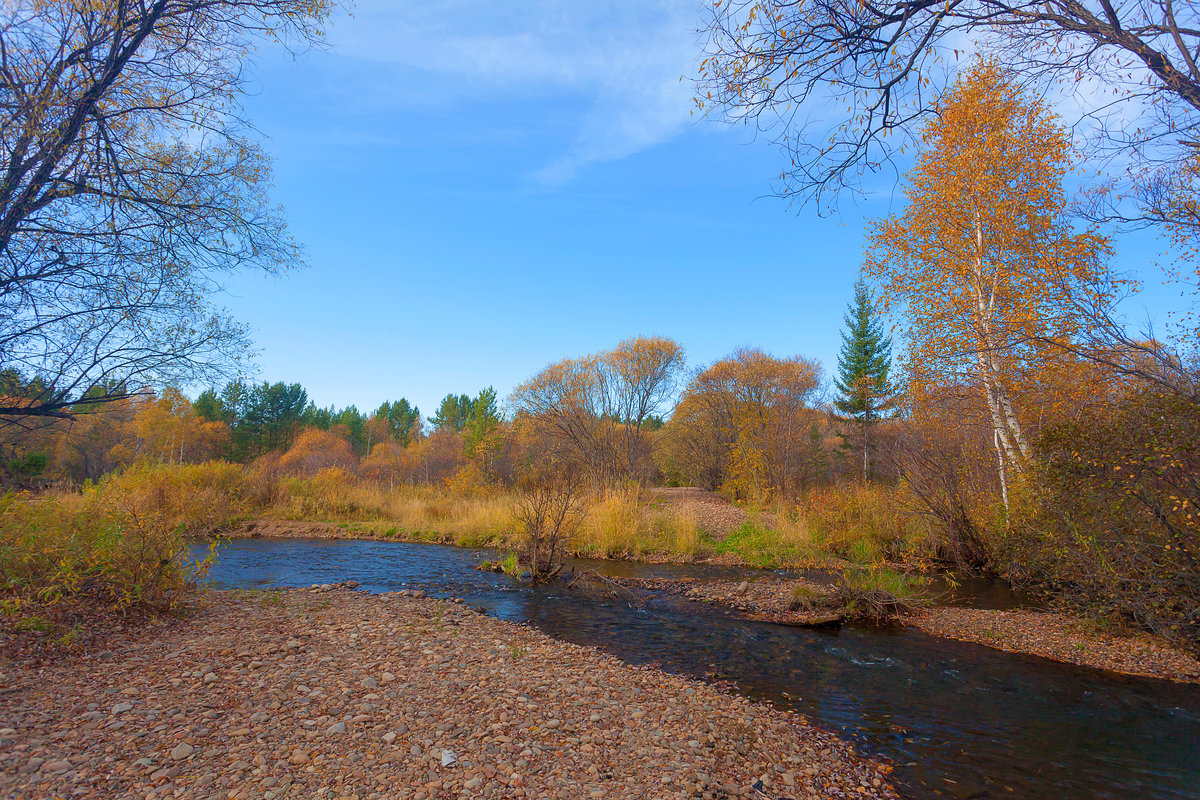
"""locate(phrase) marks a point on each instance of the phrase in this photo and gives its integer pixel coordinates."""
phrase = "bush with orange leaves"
(315, 451)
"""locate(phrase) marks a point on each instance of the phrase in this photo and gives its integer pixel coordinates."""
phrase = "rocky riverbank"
(339, 694)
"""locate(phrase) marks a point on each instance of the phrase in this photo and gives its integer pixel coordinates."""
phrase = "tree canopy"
(130, 185)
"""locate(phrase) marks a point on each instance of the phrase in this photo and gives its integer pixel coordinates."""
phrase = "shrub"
(867, 522)
(197, 498)
(805, 597)
(548, 509)
(1114, 528)
(119, 550)
(468, 481)
(879, 594)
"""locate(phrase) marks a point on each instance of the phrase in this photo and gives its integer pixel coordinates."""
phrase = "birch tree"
(984, 264)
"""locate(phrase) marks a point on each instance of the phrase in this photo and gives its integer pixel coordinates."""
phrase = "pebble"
(349, 695)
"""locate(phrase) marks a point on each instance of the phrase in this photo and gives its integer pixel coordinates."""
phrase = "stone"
(335, 729)
(121, 708)
(389, 737)
(211, 678)
(370, 683)
(182, 751)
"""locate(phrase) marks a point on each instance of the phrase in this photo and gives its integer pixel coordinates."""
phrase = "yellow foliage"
(316, 451)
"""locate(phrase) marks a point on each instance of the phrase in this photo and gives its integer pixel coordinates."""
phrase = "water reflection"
(959, 720)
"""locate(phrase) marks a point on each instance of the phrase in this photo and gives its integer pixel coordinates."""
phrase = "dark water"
(959, 720)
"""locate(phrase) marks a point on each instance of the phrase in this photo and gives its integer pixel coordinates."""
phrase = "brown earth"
(713, 513)
(337, 694)
(304, 529)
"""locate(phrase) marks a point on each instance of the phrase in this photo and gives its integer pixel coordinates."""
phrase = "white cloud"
(619, 62)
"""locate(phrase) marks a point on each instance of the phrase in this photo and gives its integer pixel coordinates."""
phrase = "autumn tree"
(130, 186)
(315, 450)
(169, 430)
(97, 439)
(984, 263)
(863, 366)
(600, 404)
(748, 419)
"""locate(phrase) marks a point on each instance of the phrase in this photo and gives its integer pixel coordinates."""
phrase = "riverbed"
(958, 720)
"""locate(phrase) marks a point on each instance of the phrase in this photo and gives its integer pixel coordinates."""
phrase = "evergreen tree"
(484, 421)
(454, 413)
(863, 365)
(403, 420)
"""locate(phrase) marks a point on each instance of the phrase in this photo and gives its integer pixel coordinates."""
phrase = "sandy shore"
(340, 694)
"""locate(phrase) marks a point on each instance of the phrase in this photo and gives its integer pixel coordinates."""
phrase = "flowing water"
(958, 720)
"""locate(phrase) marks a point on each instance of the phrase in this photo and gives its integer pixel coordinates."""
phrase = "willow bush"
(1115, 526)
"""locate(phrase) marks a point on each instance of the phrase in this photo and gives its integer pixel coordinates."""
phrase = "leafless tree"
(547, 507)
(131, 183)
(598, 405)
(789, 66)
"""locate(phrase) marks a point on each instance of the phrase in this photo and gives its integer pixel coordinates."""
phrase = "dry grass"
(865, 523)
(70, 540)
(476, 519)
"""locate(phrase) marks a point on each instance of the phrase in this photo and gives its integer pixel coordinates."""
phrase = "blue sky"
(483, 188)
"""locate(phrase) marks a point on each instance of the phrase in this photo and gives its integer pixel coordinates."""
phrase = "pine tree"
(863, 365)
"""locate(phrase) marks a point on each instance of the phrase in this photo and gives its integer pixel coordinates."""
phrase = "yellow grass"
(865, 524)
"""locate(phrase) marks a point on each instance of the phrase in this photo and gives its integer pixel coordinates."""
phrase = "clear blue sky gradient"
(480, 193)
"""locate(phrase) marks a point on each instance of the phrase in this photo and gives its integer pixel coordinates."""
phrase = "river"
(958, 720)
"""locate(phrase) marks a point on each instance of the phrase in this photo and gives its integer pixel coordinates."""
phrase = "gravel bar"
(334, 693)
(1061, 638)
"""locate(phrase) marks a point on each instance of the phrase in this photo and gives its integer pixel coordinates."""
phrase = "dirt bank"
(323, 694)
